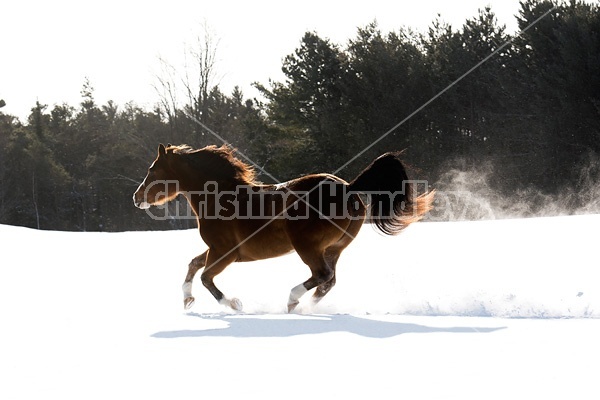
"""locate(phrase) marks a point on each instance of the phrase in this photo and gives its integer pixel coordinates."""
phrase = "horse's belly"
(254, 255)
(265, 246)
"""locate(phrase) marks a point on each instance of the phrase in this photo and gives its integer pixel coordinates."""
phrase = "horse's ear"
(161, 150)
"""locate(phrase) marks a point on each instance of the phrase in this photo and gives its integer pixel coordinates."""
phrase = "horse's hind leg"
(195, 265)
(332, 254)
(321, 274)
(324, 288)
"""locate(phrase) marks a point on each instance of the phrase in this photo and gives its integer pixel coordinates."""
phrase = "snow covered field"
(447, 310)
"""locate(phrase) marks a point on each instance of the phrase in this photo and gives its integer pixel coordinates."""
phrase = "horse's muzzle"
(141, 204)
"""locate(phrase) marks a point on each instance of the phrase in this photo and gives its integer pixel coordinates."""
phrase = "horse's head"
(160, 184)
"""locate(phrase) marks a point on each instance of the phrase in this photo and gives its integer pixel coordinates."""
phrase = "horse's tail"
(393, 201)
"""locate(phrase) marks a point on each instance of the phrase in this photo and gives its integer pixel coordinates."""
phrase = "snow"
(453, 310)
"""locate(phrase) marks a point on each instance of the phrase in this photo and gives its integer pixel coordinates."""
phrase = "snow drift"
(100, 315)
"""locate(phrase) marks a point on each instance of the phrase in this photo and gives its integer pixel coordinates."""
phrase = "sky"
(51, 47)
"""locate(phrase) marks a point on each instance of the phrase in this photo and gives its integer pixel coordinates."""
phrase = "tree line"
(531, 112)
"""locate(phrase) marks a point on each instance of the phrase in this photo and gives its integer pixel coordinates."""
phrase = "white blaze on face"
(143, 204)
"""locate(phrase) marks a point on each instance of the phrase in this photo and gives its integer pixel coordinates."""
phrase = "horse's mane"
(220, 160)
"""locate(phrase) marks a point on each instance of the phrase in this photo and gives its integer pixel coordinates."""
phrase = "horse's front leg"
(195, 265)
(216, 262)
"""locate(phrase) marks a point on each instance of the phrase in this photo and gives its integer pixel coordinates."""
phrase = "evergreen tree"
(308, 109)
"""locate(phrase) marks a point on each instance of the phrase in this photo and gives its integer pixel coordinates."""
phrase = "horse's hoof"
(292, 306)
(236, 304)
(188, 302)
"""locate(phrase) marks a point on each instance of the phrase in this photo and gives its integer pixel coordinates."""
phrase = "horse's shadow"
(256, 326)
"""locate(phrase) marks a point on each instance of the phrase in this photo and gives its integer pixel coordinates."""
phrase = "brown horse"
(240, 219)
